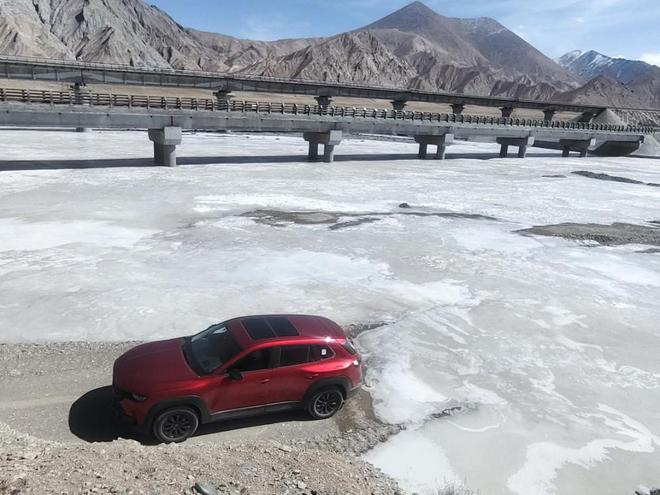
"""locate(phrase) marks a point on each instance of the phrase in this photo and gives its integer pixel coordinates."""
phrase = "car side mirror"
(234, 374)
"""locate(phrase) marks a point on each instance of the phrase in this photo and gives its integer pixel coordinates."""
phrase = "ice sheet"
(550, 345)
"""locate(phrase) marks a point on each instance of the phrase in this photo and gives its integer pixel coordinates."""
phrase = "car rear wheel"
(325, 403)
(175, 425)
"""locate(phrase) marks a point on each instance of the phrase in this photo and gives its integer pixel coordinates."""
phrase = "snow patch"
(19, 235)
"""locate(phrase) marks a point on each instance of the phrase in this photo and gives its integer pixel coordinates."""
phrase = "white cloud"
(651, 58)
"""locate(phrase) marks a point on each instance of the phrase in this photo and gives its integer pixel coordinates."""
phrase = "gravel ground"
(57, 435)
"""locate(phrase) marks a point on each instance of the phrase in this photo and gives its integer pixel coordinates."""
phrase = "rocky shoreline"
(295, 456)
(31, 465)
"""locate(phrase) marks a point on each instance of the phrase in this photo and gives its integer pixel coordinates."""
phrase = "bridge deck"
(68, 107)
(165, 117)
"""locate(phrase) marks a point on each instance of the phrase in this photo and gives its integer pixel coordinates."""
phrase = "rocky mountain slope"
(354, 57)
(469, 55)
(418, 48)
(590, 64)
(413, 47)
(119, 31)
(612, 81)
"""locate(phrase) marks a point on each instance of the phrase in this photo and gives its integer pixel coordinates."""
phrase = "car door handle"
(265, 380)
(312, 376)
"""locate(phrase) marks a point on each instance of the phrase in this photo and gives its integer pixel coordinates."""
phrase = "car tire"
(325, 403)
(175, 425)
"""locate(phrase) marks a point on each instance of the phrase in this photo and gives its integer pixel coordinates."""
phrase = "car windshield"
(209, 349)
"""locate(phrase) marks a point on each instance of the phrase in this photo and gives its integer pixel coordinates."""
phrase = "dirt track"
(55, 401)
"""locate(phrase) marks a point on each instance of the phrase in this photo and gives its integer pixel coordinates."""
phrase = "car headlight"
(138, 397)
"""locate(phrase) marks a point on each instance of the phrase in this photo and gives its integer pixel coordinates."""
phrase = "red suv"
(246, 366)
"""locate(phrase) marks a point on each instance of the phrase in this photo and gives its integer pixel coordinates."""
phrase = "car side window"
(255, 361)
(292, 355)
(320, 352)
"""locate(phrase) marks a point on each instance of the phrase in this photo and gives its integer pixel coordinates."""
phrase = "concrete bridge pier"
(79, 92)
(579, 145)
(399, 105)
(521, 143)
(457, 108)
(165, 142)
(506, 112)
(440, 141)
(328, 139)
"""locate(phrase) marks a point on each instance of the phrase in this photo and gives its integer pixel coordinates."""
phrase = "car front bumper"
(121, 414)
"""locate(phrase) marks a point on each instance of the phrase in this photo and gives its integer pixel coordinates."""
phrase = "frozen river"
(547, 347)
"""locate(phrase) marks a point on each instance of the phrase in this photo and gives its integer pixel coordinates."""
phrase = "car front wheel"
(325, 403)
(175, 425)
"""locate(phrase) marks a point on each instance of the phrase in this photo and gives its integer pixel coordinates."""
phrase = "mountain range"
(590, 64)
(413, 47)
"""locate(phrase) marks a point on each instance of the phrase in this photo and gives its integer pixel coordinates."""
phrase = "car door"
(252, 390)
(297, 369)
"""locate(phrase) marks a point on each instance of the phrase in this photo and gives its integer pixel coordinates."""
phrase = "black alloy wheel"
(325, 403)
(176, 425)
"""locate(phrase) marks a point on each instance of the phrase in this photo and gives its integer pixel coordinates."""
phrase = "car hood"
(150, 364)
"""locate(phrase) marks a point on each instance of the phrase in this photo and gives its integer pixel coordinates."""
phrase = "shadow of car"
(92, 418)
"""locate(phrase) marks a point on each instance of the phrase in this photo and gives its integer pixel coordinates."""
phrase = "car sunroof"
(268, 328)
(258, 329)
(282, 326)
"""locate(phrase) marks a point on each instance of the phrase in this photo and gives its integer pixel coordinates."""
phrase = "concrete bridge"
(165, 118)
(82, 73)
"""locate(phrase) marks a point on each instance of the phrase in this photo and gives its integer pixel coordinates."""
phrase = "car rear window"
(320, 352)
(294, 354)
(258, 329)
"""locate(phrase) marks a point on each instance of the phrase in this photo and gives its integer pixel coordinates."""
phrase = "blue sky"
(628, 28)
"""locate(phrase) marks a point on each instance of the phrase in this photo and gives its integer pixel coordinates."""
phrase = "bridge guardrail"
(72, 98)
